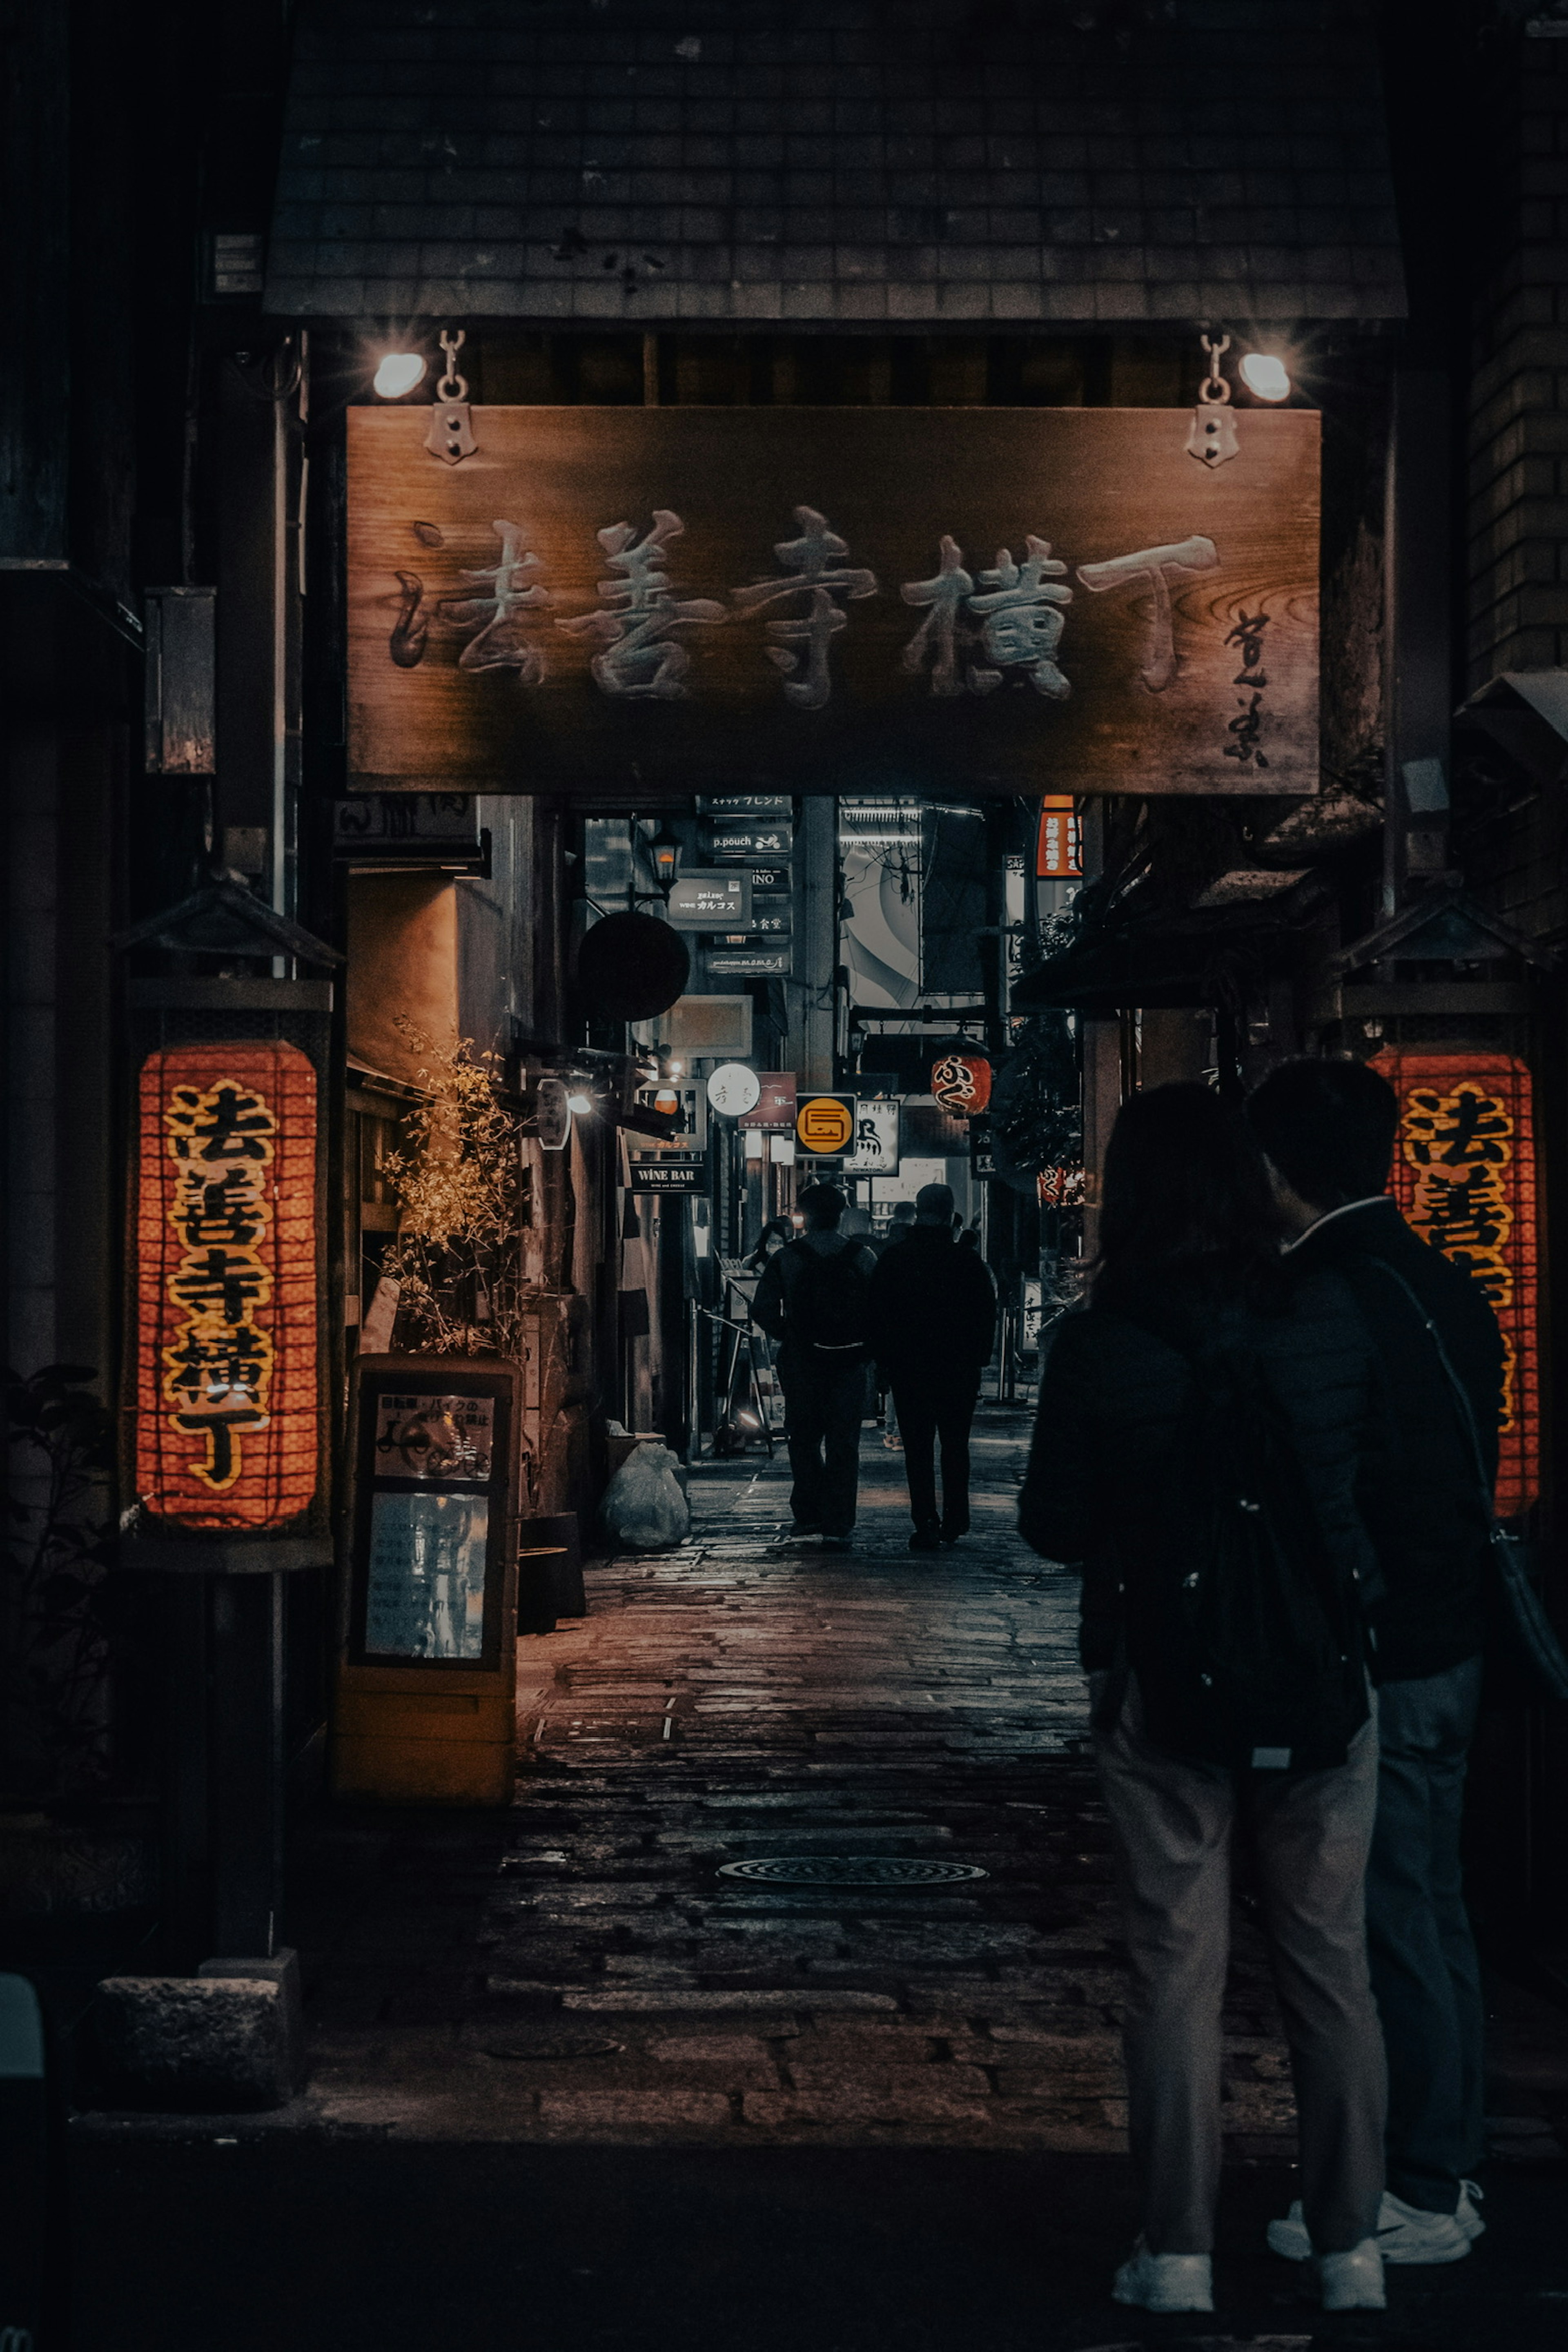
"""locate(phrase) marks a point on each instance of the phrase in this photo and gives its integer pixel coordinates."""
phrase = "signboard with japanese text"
(709, 902)
(876, 1152)
(226, 1403)
(602, 599)
(746, 963)
(826, 1123)
(775, 1105)
(1464, 1177)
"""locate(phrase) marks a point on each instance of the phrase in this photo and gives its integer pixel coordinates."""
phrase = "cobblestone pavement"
(579, 1969)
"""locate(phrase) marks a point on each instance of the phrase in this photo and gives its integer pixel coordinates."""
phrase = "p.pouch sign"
(991, 599)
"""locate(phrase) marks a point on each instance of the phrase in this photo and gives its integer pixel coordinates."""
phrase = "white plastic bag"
(644, 1509)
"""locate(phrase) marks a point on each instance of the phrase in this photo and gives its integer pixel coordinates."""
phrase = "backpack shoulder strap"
(1461, 1393)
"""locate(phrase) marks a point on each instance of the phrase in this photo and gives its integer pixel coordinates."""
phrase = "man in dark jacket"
(1328, 1129)
(934, 1320)
(813, 1299)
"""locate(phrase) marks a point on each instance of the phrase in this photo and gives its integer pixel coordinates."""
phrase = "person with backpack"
(933, 1322)
(1328, 1130)
(1203, 1422)
(814, 1299)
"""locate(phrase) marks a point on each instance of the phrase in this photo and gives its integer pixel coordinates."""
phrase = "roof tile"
(830, 159)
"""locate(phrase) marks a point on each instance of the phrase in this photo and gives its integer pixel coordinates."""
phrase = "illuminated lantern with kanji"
(1060, 1188)
(226, 1403)
(1058, 851)
(960, 1081)
(1464, 1176)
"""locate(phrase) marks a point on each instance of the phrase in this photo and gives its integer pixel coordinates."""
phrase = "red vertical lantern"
(1057, 854)
(225, 1285)
(1464, 1176)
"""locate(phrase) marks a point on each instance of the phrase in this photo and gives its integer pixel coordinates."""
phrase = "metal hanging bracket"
(451, 434)
(1213, 436)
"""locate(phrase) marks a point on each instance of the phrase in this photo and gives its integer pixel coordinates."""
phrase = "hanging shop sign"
(225, 1285)
(960, 1080)
(614, 600)
(981, 1150)
(744, 838)
(672, 1173)
(776, 1102)
(734, 1088)
(1058, 854)
(826, 1123)
(1464, 1177)
(876, 1152)
(710, 902)
(746, 963)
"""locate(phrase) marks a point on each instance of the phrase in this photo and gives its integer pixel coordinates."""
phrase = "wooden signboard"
(600, 601)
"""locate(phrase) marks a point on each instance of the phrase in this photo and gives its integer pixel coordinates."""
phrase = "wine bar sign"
(993, 600)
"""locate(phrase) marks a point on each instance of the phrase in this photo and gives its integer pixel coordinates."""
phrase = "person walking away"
(1328, 1130)
(1201, 1426)
(933, 1320)
(899, 1227)
(814, 1299)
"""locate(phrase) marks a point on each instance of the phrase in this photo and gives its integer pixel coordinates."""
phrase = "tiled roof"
(906, 163)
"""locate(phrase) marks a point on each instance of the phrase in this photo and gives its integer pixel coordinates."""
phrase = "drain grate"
(850, 1870)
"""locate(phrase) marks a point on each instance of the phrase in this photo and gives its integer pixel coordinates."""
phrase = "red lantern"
(226, 1405)
(1464, 1176)
(960, 1081)
(1060, 1188)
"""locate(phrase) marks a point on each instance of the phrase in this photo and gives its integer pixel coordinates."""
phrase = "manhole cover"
(850, 1870)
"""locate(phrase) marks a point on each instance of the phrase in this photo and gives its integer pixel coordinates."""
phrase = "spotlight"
(399, 372)
(580, 1105)
(1265, 376)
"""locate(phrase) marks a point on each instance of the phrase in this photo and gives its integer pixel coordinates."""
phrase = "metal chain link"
(1214, 390)
(453, 386)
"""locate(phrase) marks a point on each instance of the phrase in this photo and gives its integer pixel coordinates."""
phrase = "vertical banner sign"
(1464, 1176)
(226, 1405)
(1057, 854)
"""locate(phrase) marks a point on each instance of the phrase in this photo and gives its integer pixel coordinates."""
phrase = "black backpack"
(1261, 1663)
(830, 1305)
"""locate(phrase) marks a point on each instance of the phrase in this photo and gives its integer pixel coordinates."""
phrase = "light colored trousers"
(1310, 1834)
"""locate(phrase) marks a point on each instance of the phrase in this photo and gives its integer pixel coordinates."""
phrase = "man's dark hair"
(1329, 1128)
(1185, 1194)
(821, 1206)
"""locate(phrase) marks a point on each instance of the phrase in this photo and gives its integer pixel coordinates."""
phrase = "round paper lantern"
(960, 1080)
(734, 1089)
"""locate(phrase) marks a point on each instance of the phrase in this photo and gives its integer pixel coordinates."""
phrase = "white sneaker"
(1165, 2282)
(1404, 2232)
(1354, 2281)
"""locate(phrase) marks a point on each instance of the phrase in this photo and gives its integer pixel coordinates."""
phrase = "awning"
(771, 162)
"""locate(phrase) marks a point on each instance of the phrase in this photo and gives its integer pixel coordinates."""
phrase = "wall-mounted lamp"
(398, 373)
(664, 856)
(1266, 376)
(579, 1105)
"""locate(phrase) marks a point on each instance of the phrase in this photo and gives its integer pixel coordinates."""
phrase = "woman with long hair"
(1202, 1424)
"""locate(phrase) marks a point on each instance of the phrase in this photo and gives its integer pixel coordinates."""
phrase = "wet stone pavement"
(570, 2081)
(581, 1970)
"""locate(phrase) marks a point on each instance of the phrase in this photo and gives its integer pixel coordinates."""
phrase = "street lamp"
(664, 856)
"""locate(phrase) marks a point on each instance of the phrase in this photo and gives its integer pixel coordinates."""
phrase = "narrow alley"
(599, 2035)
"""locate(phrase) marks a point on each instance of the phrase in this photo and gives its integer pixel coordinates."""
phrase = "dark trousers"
(930, 1410)
(825, 1404)
(1424, 1973)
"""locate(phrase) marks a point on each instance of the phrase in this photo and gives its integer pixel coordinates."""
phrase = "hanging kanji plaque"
(225, 1285)
(1464, 1176)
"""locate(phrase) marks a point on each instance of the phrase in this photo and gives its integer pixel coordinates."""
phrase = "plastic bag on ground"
(644, 1509)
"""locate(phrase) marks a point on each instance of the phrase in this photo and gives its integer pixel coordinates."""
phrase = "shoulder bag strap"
(1461, 1394)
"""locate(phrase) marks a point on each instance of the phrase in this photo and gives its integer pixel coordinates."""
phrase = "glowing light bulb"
(1266, 376)
(399, 372)
(580, 1104)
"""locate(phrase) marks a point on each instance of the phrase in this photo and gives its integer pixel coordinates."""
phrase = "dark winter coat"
(1103, 1469)
(1426, 1514)
(771, 1306)
(933, 1310)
